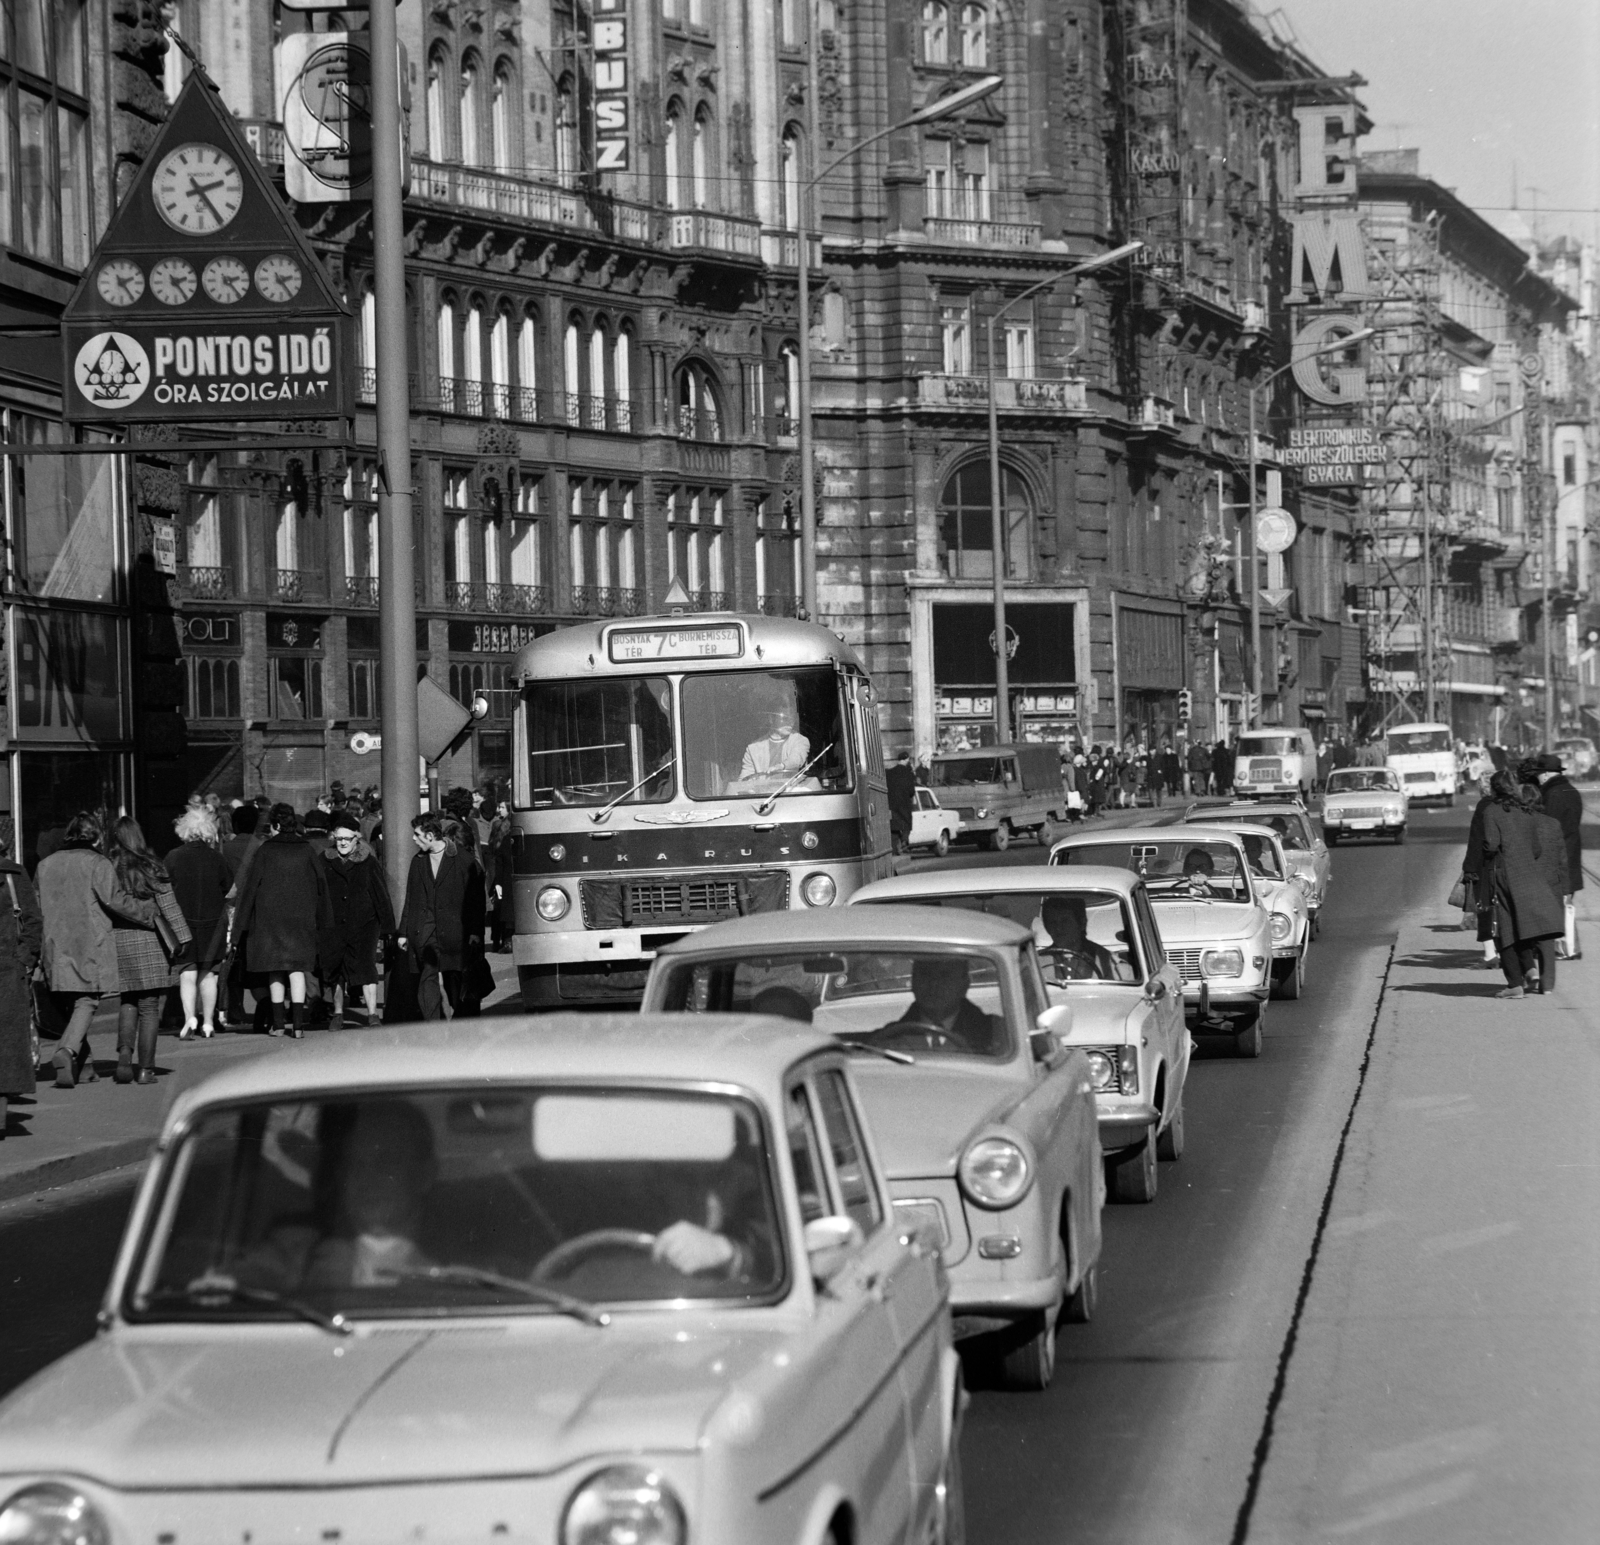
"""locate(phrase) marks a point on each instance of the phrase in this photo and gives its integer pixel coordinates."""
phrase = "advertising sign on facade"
(612, 129)
(1335, 456)
(327, 116)
(164, 545)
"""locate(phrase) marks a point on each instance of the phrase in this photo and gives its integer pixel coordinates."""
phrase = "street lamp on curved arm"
(942, 107)
(997, 531)
(1333, 346)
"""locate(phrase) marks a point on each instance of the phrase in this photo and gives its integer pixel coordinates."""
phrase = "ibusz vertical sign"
(612, 127)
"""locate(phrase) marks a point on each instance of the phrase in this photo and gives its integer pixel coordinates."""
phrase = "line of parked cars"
(720, 1271)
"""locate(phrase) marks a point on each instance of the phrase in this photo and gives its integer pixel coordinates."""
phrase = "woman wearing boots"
(21, 933)
(81, 897)
(362, 915)
(283, 909)
(148, 959)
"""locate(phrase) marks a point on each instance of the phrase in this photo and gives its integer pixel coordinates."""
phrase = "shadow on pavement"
(1443, 960)
(1484, 989)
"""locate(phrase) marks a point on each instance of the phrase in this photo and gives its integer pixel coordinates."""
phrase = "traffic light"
(1185, 705)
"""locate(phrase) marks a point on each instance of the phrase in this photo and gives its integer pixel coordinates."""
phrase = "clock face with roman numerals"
(198, 189)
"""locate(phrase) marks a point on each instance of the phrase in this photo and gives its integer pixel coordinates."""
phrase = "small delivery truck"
(1002, 792)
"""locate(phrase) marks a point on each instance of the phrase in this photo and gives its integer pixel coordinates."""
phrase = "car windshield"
(473, 1200)
(1292, 831)
(965, 771)
(1411, 742)
(1081, 935)
(928, 1003)
(594, 742)
(1362, 780)
(762, 732)
(1268, 745)
(1183, 868)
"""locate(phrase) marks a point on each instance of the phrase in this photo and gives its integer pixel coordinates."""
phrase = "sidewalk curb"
(66, 1169)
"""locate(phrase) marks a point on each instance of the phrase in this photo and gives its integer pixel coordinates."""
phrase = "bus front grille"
(686, 898)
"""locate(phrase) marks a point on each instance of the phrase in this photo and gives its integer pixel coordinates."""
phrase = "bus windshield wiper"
(600, 815)
(765, 807)
(534, 1292)
(220, 1291)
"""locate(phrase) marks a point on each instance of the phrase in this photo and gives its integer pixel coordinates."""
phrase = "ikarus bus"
(673, 772)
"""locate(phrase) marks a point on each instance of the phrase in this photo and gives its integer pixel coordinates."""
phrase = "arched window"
(438, 141)
(788, 388)
(446, 334)
(673, 149)
(572, 361)
(472, 361)
(697, 13)
(503, 117)
(964, 530)
(500, 366)
(701, 158)
(974, 36)
(699, 403)
(369, 344)
(935, 33)
(622, 379)
(471, 146)
(789, 191)
(566, 130)
(595, 418)
(528, 369)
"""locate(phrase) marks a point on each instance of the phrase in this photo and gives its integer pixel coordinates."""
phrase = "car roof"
(1179, 828)
(1272, 806)
(752, 1050)
(871, 925)
(1250, 828)
(940, 882)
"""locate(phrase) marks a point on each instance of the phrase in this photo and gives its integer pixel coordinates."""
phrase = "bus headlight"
(1282, 928)
(553, 904)
(818, 890)
(52, 1514)
(624, 1505)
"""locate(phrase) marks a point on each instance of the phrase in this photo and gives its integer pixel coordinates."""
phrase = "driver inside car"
(1198, 870)
(1075, 956)
(939, 1003)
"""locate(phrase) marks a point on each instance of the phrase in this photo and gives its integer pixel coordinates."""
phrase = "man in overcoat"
(443, 918)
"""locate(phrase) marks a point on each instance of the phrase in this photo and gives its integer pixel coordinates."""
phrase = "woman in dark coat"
(1479, 884)
(21, 937)
(1528, 909)
(149, 959)
(502, 850)
(283, 912)
(201, 880)
(362, 913)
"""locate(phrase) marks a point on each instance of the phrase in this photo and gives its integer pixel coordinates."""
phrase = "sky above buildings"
(1486, 89)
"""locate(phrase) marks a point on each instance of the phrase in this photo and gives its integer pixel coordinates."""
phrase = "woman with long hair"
(148, 958)
(201, 880)
(1528, 908)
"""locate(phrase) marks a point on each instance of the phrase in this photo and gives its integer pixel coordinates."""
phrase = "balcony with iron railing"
(202, 582)
(711, 600)
(1025, 394)
(294, 584)
(489, 596)
(699, 424)
(779, 605)
(528, 200)
(361, 589)
(612, 413)
(606, 601)
(982, 220)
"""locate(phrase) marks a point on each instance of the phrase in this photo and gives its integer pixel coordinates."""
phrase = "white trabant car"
(932, 826)
(570, 1280)
(1216, 929)
(1101, 951)
(1364, 802)
(1303, 846)
(985, 1120)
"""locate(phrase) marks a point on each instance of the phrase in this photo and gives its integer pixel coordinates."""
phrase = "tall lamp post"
(1332, 347)
(944, 107)
(997, 530)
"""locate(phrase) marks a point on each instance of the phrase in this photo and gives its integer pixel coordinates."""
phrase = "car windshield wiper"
(534, 1292)
(765, 807)
(204, 1295)
(889, 1054)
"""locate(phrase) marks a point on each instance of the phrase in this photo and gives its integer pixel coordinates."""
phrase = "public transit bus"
(676, 771)
(1424, 755)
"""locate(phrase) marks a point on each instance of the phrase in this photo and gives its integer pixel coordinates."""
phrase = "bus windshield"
(592, 742)
(1411, 742)
(762, 732)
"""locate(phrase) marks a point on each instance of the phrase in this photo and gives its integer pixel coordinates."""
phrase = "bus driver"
(779, 754)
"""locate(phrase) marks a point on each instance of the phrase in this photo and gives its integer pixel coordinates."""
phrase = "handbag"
(1458, 895)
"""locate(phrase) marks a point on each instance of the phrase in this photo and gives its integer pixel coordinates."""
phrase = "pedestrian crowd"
(260, 918)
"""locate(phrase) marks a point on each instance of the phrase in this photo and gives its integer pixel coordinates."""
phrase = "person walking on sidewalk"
(1477, 878)
(362, 914)
(149, 959)
(21, 935)
(283, 912)
(442, 921)
(80, 897)
(1565, 804)
(201, 880)
(1528, 910)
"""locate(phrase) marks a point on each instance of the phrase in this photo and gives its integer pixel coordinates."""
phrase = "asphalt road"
(1153, 1430)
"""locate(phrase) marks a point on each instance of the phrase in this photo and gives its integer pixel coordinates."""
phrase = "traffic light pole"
(397, 607)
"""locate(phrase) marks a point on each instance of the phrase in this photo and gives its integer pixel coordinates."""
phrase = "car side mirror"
(1155, 989)
(829, 1243)
(1050, 1031)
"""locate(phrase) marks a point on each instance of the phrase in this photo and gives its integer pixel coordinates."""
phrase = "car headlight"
(818, 890)
(1282, 928)
(553, 903)
(1393, 812)
(995, 1172)
(1113, 1069)
(624, 1505)
(1102, 1071)
(1222, 962)
(983, 810)
(52, 1514)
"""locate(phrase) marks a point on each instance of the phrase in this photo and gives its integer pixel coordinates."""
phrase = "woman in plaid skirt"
(148, 959)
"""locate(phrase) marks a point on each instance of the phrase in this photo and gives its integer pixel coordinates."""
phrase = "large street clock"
(198, 189)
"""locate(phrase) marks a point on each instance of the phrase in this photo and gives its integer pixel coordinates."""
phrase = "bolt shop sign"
(204, 302)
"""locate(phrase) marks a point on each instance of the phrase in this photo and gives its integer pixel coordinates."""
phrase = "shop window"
(213, 688)
(69, 675)
(296, 686)
(65, 516)
(965, 526)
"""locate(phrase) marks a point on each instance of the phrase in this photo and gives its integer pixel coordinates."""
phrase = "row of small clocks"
(173, 280)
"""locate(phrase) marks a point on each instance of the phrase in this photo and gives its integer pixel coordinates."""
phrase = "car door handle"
(878, 1288)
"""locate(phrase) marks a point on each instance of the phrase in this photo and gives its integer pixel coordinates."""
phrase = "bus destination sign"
(631, 646)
